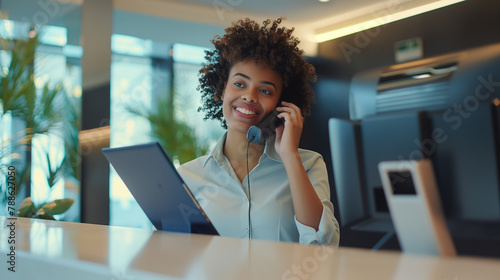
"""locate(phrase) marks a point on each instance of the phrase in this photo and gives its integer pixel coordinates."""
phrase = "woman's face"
(251, 92)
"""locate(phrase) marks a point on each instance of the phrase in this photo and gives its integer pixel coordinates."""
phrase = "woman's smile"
(246, 111)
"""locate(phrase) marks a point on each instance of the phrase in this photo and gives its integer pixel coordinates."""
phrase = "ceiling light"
(341, 32)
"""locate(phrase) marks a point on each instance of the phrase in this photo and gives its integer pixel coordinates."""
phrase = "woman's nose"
(249, 96)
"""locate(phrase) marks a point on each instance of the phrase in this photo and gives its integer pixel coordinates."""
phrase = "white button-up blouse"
(225, 199)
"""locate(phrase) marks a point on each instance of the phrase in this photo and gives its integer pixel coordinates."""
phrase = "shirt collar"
(270, 150)
(217, 152)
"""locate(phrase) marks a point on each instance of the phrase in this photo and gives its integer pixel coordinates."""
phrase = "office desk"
(61, 250)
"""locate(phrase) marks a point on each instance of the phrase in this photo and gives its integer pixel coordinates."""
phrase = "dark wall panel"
(95, 168)
(96, 107)
(458, 27)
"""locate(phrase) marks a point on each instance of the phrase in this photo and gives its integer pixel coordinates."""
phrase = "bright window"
(139, 79)
(53, 64)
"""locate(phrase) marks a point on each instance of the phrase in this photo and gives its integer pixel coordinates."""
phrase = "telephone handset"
(265, 128)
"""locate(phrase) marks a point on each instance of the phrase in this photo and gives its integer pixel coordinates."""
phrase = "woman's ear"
(223, 91)
(219, 97)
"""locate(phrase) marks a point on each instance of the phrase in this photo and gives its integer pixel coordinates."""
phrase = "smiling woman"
(253, 71)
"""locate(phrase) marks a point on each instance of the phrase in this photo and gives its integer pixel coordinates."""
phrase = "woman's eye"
(265, 91)
(239, 85)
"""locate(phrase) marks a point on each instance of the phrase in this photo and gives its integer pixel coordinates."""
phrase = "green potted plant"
(177, 138)
(41, 113)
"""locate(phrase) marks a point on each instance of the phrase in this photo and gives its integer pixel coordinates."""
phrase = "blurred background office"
(128, 69)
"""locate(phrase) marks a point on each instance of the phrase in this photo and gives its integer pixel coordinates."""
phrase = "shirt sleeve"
(328, 232)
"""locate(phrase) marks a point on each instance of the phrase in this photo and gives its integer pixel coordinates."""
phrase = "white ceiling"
(307, 13)
(309, 17)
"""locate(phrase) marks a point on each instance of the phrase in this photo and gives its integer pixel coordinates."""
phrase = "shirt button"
(246, 230)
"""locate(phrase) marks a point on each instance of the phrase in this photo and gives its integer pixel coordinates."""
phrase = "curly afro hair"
(268, 43)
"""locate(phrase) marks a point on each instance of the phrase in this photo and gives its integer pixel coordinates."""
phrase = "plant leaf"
(27, 208)
(57, 206)
(42, 214)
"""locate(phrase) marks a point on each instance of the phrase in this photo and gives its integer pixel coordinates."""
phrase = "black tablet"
(159, 190)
